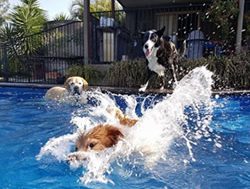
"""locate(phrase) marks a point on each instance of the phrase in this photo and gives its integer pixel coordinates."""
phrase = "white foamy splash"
(151, 137)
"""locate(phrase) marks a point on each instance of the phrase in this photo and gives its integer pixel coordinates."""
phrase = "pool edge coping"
(119, 89)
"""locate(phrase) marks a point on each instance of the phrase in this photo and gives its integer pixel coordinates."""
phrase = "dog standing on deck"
(72, 88)
(161, 54)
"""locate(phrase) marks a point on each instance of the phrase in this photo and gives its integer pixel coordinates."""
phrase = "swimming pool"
(28, 122)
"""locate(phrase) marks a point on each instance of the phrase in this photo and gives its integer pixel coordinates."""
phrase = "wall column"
(113, 8)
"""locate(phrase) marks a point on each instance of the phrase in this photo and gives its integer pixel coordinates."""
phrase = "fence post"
(239, 26)
(5, 63)
(86, 30)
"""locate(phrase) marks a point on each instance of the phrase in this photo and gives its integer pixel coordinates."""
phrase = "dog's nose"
(146, 46)
(76, 89)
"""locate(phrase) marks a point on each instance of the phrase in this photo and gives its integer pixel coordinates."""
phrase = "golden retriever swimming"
(101, 136)
(73, 86)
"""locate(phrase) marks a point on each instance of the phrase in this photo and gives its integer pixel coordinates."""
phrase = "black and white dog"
(161, 54)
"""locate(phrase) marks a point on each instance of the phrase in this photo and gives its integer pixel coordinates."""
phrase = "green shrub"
(229, 72)
(132, 73)
(92, 75)
(241, 77)
(17, 68)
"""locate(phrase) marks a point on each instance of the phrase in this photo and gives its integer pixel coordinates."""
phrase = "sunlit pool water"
(27, 122)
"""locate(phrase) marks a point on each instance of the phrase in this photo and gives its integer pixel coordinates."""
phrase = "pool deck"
(119, 89)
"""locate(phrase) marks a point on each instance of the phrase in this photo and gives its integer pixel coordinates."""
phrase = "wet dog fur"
(73, 86)
(161, 54)
(101, 136)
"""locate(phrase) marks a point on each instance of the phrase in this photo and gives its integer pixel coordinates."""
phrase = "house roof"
(150, 3)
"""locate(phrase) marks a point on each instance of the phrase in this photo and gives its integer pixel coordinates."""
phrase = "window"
(178, 24)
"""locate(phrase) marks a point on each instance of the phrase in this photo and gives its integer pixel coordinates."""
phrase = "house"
(105, 37)
(118, 31)
(179, 17)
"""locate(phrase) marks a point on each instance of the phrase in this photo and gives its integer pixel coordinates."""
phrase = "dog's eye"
(80, 83)
(91, 145)
(154, 37)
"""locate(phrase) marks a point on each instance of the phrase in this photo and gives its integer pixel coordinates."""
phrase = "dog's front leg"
(162, 82)
(174, 73)
(144, 87)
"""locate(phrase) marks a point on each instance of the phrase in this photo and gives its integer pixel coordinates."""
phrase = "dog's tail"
(182, 50)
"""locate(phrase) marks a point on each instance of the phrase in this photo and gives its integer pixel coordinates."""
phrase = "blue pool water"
(27, 122)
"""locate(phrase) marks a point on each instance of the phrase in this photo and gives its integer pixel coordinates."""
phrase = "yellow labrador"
(73, 87)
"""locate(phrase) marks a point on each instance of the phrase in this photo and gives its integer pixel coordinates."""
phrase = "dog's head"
(151, 40)
(99, 138)
(76, 85)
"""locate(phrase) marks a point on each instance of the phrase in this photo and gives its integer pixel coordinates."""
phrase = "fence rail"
(44, 57)
(47, 57)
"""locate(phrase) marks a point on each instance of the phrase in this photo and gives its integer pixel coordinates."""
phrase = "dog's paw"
(175, 85)
(72, 158)
(75, 160)
(142, 89)
(76, 156)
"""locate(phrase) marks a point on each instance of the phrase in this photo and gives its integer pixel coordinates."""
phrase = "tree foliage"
(95, 6)
(223, 16)
(26, 19)
(61, 17)
(4, 6)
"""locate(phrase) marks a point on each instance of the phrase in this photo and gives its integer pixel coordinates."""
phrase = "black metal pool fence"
(46, 57)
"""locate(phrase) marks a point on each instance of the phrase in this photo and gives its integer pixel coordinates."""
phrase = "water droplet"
(218, 145)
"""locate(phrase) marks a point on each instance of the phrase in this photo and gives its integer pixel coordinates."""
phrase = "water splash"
(151, 138)
(159, 126)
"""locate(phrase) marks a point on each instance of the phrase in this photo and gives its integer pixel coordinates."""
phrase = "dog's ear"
(141, 33)
(114, 134)
(161, 31)
(85, 84)
(66, 83)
